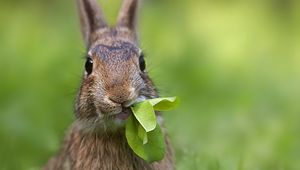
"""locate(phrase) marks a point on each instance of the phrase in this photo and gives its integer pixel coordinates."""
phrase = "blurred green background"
(234, 63)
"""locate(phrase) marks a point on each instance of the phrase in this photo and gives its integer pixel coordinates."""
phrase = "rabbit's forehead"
(116, 50)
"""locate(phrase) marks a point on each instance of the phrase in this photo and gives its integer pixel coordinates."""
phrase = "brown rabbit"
(114, 78)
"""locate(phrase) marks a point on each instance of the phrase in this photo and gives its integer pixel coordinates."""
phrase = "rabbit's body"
(101, 151)
(114, 78)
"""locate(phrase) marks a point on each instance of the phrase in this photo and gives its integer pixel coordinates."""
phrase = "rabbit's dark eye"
(89, 66)
(142, 62)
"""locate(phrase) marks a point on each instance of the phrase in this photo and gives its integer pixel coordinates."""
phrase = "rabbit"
(115, 77)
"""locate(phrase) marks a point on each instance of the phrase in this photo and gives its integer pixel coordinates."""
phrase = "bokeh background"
(233, 63)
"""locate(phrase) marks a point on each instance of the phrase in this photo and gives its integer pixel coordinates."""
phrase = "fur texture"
(93, 151)
(96, 140)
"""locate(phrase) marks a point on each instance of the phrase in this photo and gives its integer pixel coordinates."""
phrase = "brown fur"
(107, 152)
(96, 140)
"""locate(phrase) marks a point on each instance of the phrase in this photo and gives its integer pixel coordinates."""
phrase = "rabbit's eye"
(89, 66)
(142, 62)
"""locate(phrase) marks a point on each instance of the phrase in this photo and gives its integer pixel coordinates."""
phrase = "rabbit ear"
(91, 18)
(127, 14)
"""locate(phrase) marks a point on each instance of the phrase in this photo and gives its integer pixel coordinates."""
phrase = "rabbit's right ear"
(91, 18)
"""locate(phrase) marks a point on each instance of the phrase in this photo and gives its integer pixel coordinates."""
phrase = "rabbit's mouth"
(124, 114)
(126, 111)
(110, 122)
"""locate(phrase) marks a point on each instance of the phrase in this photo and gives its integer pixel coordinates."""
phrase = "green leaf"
(153, 150)
(145, 114)
(142, 134)
(164, 104)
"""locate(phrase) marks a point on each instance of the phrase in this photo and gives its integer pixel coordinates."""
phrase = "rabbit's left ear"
(128, 14)
(91, 18)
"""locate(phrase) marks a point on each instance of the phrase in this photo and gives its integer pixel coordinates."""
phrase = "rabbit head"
(115, 75)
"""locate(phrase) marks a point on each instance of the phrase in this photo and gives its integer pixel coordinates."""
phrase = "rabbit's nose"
(120, 99)
(119, 96)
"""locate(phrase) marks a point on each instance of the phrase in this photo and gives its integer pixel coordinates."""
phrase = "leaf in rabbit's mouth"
(143, 133)
(126, 111)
